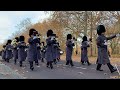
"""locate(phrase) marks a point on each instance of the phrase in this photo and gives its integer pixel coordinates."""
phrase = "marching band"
(36, 50)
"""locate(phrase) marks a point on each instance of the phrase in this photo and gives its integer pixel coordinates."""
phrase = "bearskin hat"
(69, 36)
(21, 38)
(17, 39)
(100, 29)
(49, 33)
(31, 32)
(4, 46)
(84, 38)
(9, 41)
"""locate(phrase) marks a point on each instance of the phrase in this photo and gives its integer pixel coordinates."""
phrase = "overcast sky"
(9, 19)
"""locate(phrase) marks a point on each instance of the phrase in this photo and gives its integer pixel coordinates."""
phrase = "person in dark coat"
(3, 53)
(103, 57)
(15, 51)
(38, 51)
(38, 54)
(69, 49)
(8, 50)
(32, 49)
(26, 50)
(43, 50)
(21, 50)
(55, 49)
(84, 46)
(58, 52)
(49, 50)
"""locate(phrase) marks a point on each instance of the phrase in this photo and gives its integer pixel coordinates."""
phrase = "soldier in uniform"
(15, 51)
(8, 50)
(103, 57)
(32, 49)
(49, 49)
(21, 50)
(54, 49)
(26, 50)
(69, 49)
(58, 52)
(38, 51)
(84, 46)
(43, 50)
(4, 53)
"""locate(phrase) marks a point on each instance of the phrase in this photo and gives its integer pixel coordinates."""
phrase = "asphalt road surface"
(61, 71)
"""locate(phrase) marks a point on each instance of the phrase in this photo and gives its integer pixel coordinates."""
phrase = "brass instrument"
(14, 43)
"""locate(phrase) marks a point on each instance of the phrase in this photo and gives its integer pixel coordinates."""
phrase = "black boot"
(58, 59)
(71, 63)
(31, 65)
(55, 61)
(111, 68)
(42, 60)
(82, 62)
(36, 62)
(51, 66)
(15, 62)
(88, 63)
(67, 62)
(99, 67)
(48, 64)
(97, 61)
(20, 63)
(7, 60)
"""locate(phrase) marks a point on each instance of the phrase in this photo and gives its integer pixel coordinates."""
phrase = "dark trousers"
(15, 60)
(31, 64)
(49, 63)
(20, 63)
(42, 60)
(69, 62)
(36, 62)
(54, 61)
(7, 60)
(108, 64)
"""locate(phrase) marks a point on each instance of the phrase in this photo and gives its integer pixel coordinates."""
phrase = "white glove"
(106, 43)
(34, 37)
(38, 45)
(9, 48)
(52, 38)
(25, 49)
(88, 43)
(117, 35)
(73, 41)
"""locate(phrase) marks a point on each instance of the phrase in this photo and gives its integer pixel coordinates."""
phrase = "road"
(61, 71)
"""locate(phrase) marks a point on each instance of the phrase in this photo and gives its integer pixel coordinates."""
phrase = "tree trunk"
(91, 33)
(85, 32)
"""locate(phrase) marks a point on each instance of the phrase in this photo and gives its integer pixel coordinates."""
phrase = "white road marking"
(38, 66)
(81, 67)
(81, 73)
(117, 69)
